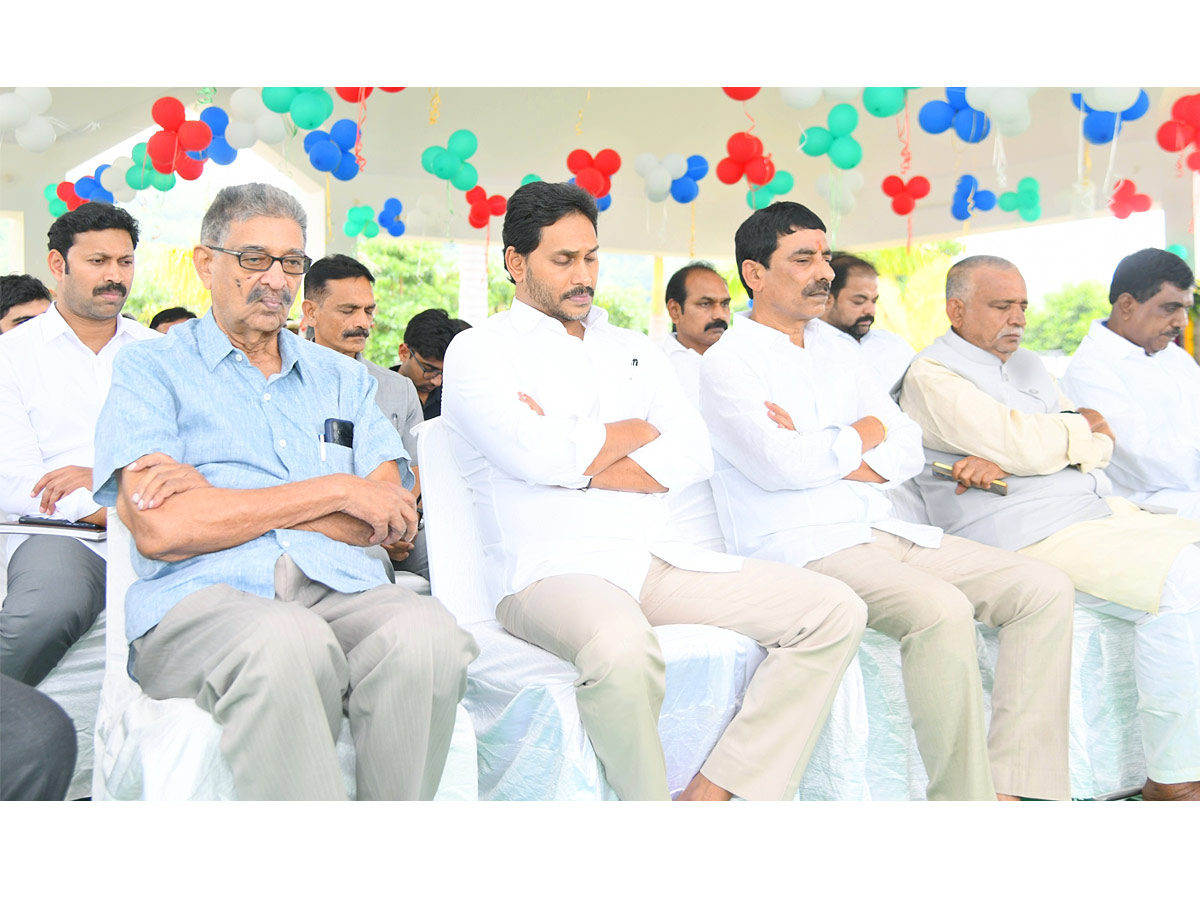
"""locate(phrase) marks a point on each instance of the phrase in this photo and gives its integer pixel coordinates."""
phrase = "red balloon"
(161, 148)
(893, 185)
(354, 94)
(65, 191)
(760, 170)
(743, 147)
(1193, 161)
(497, 204)
(918, 187)
(729, 171)
(194, 136)
(168, 113)
(188, 168)
(1187, 109)
(607, 161)
(592, 180)
(578, 160)
(1141, 202)
(903, 204)
(392, 90)
(741, 93)
(1174, 135)
(479, 215)
(476, 194)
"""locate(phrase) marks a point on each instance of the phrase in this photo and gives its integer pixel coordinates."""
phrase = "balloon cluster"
(905, 194)
(113, 181)
(836, 140)
(142, 174)
(251, 120)
(839, 190)
(61, 197)
(745, 158)
(450, 162)
(333, 151)
(360, 220)
(309, 107)
(168, 148)
(1008, 108)
(1118, 105)
(484, 207)
(389, 216)
(1125, 199)
(21, 113)
(672, 176)
(1182, 130)
(1026, 200)
(740, 93)
(594, 174)
(804, 97)
(218, 149)
(764, 196)
(91, 188)
(358, 94)
(970, 124)
(968, 197)
(884, 102)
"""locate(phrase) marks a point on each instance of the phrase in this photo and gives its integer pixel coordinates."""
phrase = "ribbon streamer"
(902, 133)
(1000, 161)
(362, 118)
(435, 102)
(579, 123)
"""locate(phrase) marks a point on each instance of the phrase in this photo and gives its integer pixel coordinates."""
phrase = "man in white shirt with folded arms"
(569, 432)
(54, 375)
(807, 447)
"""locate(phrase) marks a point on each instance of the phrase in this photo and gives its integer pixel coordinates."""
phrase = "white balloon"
(270, 128)
(645, 163)
(979, 97)
(111, 179)
(1110, 99)
(37, 135)
(1011, 126)
(14, 112)
(800, 97)
(39, 99)
(675, 164)
(239, 134)
(124, 194)
(123, 164)
(1007, 103)
(658, 182)
(853, 180)
(246, 103)
(842, 94)
(843, 204)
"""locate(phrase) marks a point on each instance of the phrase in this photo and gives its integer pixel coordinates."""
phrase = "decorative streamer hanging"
(1000, 162)
(205, 95)
(579, 123)
(435, 103)
(362, 117)
(902, 133)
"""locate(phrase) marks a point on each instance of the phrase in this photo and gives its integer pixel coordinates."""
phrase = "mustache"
(1013, 332)
(818, 287)
(112, 286)
(587, 291)
(260, 292)
(716, 325)
(355, 333)
(865, 320)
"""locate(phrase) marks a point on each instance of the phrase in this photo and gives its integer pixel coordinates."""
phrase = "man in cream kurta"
(808, 446)
(992, 411)
(1148, 386)
(569, 430)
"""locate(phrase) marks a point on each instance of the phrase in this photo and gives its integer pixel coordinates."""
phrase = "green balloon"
(760, 199)
(372, 229)
(50, 192)
(139, 154)
(1008, 201)
(1027, 196)
(1027, 184)
(465, 178)
(781, 183)
(446, 164)
(428, 157)
(845, 152)
(883, 101)
(843, 119)
(308, 109)
(140, 177)
(350, 229)
(1031, 213)
(279, 99)
(57, 207)
(463, 143)
(358, 214)
(530, 179)
(1179, 250)
(162, 181)
(815, 141)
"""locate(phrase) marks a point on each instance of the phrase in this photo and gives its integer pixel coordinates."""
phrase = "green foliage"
(164, 277)
(627, 307)
(1065, 317)
(912, 284)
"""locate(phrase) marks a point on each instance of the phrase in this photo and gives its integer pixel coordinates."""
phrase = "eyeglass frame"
(425, 367)
(307, 261)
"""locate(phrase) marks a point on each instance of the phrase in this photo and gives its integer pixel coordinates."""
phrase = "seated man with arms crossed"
(990, 411)
(569, 431)
(1148, 386)
(808, 446)
(255, 596)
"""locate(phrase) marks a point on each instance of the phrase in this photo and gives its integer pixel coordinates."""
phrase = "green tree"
(1065, 316)
(912, 299)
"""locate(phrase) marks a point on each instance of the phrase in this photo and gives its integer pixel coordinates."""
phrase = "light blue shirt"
(195, 397)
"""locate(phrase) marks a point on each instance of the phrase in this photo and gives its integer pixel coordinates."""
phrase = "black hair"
(844, 265)
(18, 289)
(758, 237)
(677, 284)
(174, 314)
(429, 333)
(91, 216)
(537, 205)
(1142, 274)
(332, 268)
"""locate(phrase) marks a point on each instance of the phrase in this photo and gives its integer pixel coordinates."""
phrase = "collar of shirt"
(1112, 345)
(671, 346)
(52, 325)
(526, 318)
(214, 345)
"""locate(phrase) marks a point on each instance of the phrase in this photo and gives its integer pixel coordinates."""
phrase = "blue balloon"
(685, 189)
(313, 138)
(100, 171)
(324, 155)
(959, 210)
(936, 116)
(1140, 105)
(1077, 99)
(220, 152)
(971, 125)
(604, 202)
(697, 167)
(985, 200)
(396, 228)
(344, 133)
(84, 187)
(100, 195)
(347, 168)
(216, 119)
(1100, 127)
(199, 154)
(965, 186)
(958, 98)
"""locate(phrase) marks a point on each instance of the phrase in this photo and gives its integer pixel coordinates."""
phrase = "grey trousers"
(55, 593)
(37, 744)
(275, 674)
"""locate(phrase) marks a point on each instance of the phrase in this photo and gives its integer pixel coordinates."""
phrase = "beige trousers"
(927, 600)
(810, 626)
(274, 675)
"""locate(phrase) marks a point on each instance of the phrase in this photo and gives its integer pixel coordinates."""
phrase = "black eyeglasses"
(429, 371)
(257, 261)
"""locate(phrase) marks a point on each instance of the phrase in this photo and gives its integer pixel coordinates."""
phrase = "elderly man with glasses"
(253, 469)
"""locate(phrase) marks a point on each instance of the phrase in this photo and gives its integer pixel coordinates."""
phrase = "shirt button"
(238, 357)
(266, 396)
(286, 543)
(283, 443)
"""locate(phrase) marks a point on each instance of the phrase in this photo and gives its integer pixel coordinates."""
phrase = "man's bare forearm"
(626, 475)
(341, 527)
(865, 473)
(621, 439)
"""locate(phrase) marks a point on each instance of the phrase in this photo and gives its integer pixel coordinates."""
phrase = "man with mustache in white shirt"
(570, 431)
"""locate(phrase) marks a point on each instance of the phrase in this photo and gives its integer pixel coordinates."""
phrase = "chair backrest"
(118, 686)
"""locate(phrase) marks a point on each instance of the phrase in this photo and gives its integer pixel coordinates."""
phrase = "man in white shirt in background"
(807, 447)
(697, 300)
(54, 375)
(569, 431)
(853, 294)
(1148, 386)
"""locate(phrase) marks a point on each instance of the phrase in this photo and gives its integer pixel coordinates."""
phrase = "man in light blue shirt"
(252, 469)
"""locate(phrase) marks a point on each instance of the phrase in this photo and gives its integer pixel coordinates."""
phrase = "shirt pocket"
(338, 459)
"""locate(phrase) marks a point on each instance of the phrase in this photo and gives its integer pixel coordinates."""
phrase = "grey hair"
(958, 279)
(240, 202)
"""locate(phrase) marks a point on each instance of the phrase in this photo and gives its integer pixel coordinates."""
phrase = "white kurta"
(887, 354)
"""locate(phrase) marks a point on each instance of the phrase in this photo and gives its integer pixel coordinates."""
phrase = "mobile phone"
(340, 432)
(945, 470)
(60, 523)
